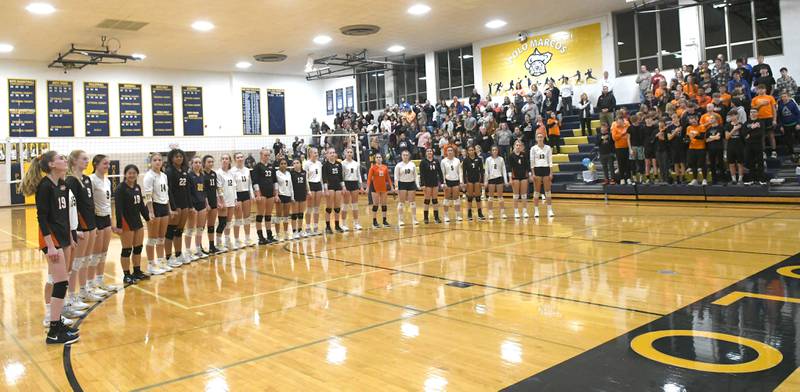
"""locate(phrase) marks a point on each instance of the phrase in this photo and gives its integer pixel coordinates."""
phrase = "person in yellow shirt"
(697, 149)
(767, 114)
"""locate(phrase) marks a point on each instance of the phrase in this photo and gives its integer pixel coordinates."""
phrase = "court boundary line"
(29, 356)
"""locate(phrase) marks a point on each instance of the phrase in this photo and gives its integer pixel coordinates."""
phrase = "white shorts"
(229, 197)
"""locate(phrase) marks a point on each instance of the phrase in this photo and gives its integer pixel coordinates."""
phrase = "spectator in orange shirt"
(619, 132)
(690, 88)
(697, 149)
(767, 114)
(724, 96)
(554, 132)
(711, 117)
(379, 181)
(702, 98)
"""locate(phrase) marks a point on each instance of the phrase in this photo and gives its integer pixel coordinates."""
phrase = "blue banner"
(130, 110)
(339, 100)
(95, 103)
(60, 108)
(22, 107)
(251, 111)
(329, 102)
(163, 110)
(192, 110)
(276, 107)
(349, 102)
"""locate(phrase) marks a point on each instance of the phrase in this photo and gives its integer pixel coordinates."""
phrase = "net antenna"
(78, 58)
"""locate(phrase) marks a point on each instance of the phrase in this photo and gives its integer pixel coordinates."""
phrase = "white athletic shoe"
(491, 216)
(536, 212)
(550, 213)
(344, 227)
(401, 224)
(191, 257)
(525, 214)
(154, 269)
(162, 264)
(516, 214)
(111, 288)
(201, 254)
(186, 258)
(459, 218)
(174, 262)
(76, 303)
(72, 313)
(98, 291)
(446, 219)
(504, 216)
(693, 183)
(415, 222)
(357, 227)
(705, 182)
(305, 233)
(89, 297)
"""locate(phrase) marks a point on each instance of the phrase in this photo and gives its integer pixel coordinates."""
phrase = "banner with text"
(60, 108)
(192, 110)
(163, 110)
(22, 107)
(251, 111)
(130, 110)
(95, 103)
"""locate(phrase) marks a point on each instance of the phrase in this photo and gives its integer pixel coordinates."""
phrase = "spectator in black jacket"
(605, 145)
(606, 104)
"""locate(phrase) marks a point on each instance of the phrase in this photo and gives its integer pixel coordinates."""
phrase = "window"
(638, 45)
(742, 29)
(456, 72)
(371, 86)
(410, 81)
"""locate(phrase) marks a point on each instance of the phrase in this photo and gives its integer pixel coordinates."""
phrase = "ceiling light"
(395, 48)
(620, 43)
(561, 35)
(139, 56)
(6, 48)
(466, 56)
(40, 8)
(423, 78)
(203, 25)
(496, 24)
(419, 9)
(243, 65)
(322, 39)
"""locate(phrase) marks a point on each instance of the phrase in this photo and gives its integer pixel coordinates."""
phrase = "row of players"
(178, 201)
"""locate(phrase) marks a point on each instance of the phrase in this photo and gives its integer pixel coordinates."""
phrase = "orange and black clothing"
(129, 206)
(697, 150)
(82, 189)
(52, 212)
(620, 135)
(378, 177)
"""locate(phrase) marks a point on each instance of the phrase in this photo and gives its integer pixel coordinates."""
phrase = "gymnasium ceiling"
(244, 28)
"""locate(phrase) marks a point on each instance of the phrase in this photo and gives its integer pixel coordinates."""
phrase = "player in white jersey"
(542, 162)
(454, 181)
(227, 211)
(406, 182)
(101, 190)
(69, 311)
(353, 186)
(244, 196)
(284, 196)
(155, 191)
(313, 169)
(495, 180)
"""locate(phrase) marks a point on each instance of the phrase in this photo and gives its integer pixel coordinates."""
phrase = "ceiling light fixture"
(243, 65)
(322, 39)
(496, 24)
(395, 48)
(419, 9)
(6, 48)
(139, 56)
(40, 8)
(203, 25)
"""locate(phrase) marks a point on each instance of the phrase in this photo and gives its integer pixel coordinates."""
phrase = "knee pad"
(426, 202)
(515, 197)
(536, 195)
(294, 216)
(76, 264)
(469, 199)
(434, 201)
(548, 194)
(353, 207)
(344, 208)
(152, 242)
(126, 252)
(400, 205)
(137, 250)
(328, 210)
(259, 218)
(170, 232)
(446, 202)
(384, 208)
(337, 210)
(60, 289)
(412, 204)
(161, 241)
(178, 233)
(49, 279)
(210, 229)
(93, 260)
(523, 196)
(189, 232)
(374, 208)
(300, 215)
(457, 202)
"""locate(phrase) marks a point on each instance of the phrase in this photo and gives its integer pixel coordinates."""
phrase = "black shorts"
(242, 196)
(74, 234)
(541, 171)
(452, 183)
(351, 185)
(267, 191)
(300, 197)
(473, 180)
(735, 155)
(766, 125)
(285, 199)
(407, 186)
(160, 210)
(315, 186)
(102, 221)
(430, 184)
(649, 153)
(517, 177)
(336, 186)
(496, 181)
(678, 155)
(181, 201)
(199, 207)
(212, 202)
(86, 222)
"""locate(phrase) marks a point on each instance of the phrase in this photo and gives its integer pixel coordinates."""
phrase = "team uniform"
(52, 213)
(314, 175)
(284, 185)
(299, 182)
(101, 190)
(332, 175)
(264, 179)
(198, 193)
(496, 170)
(73, 216)
(178, 188)
(430, 173)
(378, 178)
(519, 166)
(243, 182)
(129, 207)
(473, 170)
(352, 175)
(82, 191)
(406, 176)
(542, 159)
(227, 186)
(211, 188)
(155, 188)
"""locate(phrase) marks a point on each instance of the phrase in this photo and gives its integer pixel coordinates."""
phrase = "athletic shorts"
(679, 155)
(541, 171)
(199, 207)
(315, 186)
(160, 210)
(300, 197)
(452, 183)
(181, 202)
(649, 153)
(473, 180)
(267, 191)
(212, 202)
(735, 155)
(637, 153)
(430, 184)
(86, 223)
(496, 181)
(766, 125)
(102, 221)
(336, 186)
(407, 186)
(74, 234)
(242, 196)
(517, 178)
(285, 199)
(351, 185)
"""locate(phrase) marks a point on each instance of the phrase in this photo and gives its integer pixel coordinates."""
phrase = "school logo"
(536, 64)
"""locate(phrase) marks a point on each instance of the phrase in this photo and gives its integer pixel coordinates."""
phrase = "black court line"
(29, 356)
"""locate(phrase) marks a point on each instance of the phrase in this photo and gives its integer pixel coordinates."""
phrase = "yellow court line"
(441, 258)
(33, 244)
(160, 298)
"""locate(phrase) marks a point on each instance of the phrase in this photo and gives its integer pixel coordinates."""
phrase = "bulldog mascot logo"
(536, 64)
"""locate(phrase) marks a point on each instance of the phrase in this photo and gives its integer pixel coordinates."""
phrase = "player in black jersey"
(180, 203)
(52, 213)
(211, 188)
(129, 208)
(430, 172)
(300, 187)
(81, 187)
(473, 177)
(200, 204)
(333, 183)
(264, 183)
(519, 168)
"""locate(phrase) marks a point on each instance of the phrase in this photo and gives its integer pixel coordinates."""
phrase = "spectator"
(678, 144)
(644, 82)
(474, 99)
(277, 147)
(485, 141)
(566, 97)
(636, 138)
(607, 82)
(423, 141)
(737, 81)
(763, 78)
(786, 83)
(716, 148)
(721, 72)
(657, 78)
(503, 139)
(754, 148)
(537, 97)
(585, 114)
(662, 152)
(605, 146)
(734, 134)
(767, 114)
(619, 132)
(697, 150)
(789, 119)
(554, 132)
(745, 71)
(606, 104)
(756, 70)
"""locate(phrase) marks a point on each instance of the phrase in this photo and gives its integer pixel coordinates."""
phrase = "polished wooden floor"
(378, 310)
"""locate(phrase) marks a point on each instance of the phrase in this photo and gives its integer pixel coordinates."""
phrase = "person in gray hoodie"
(644, 82)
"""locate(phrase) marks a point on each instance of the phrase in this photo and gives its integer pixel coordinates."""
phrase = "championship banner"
(251, 111)
(192, 110)
(163, 110)
(95, 103)
(349, 99)
(22, 107)
(276, 111)
(339, 100)
(130, 109)
(575, 54)
(329, 102)
(60, 108)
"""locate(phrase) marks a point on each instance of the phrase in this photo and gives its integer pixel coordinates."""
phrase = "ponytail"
(73, 159)
(96, 161)
(36, 171)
